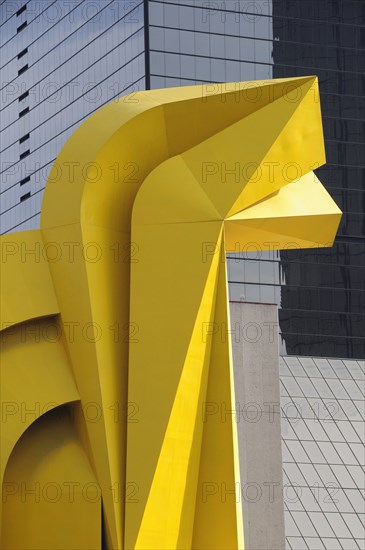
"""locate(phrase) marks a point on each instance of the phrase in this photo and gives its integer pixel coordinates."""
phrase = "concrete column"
(256, 366)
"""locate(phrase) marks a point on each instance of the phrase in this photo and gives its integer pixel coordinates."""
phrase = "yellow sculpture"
(114, 314)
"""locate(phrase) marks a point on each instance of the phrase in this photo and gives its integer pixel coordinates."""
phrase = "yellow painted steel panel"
(300, 215)
(142, 204)
(27, 288)
(52, 499)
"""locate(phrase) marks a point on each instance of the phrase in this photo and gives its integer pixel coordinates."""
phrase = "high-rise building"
(323, 297)
(63, 59)
(60, 61)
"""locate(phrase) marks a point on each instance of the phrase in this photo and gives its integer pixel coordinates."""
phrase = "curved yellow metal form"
(114, 308)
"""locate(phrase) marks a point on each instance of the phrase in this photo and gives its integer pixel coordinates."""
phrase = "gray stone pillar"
(256, 366)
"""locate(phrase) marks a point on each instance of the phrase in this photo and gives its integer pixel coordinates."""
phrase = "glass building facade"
(320, 293)
(324, 299)
(61, 60)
